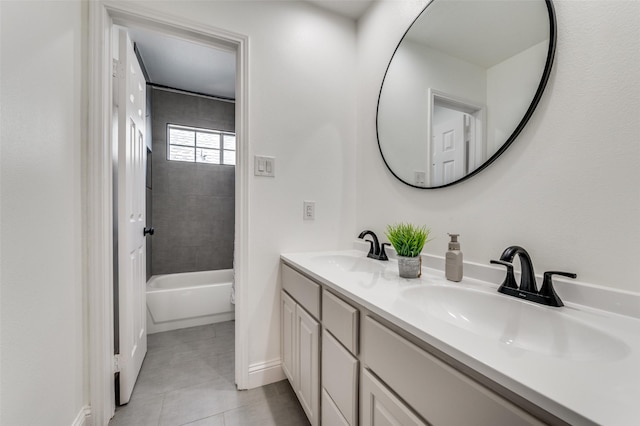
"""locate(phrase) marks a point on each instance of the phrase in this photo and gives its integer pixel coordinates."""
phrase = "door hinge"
(116, 363)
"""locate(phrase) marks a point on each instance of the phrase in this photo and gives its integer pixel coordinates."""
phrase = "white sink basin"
(517, 324)
(350, 263)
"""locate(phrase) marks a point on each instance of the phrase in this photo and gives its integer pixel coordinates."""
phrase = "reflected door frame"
(477, 111)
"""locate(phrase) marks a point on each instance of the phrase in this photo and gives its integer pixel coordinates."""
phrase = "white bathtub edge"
(189, 322)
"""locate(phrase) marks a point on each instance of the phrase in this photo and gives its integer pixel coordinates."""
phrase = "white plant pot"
(410, 267)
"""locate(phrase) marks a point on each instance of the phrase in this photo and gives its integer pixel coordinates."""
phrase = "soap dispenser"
(453, 264)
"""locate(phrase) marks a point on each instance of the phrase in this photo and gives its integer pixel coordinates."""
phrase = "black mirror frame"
(534, 103)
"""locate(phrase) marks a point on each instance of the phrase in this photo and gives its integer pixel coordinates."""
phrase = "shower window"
(197, 145)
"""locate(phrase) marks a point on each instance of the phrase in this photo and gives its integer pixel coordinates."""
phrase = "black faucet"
(527, 276)
(376, 251)
(528, 289)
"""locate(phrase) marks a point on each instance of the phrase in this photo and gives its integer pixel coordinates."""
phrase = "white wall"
(302, 111)
(510, 88)
(567, 189)
(42, 373)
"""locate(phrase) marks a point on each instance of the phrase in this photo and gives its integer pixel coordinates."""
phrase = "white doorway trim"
(98, 170)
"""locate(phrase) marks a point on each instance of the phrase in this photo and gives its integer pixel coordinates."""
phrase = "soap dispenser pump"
(453, 260)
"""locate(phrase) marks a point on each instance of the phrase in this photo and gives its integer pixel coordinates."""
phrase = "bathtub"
(188, 299)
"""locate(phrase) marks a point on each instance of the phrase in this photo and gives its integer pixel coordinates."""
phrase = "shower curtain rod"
(189, 92)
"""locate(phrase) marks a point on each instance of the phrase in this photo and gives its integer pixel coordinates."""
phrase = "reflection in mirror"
(461, 85)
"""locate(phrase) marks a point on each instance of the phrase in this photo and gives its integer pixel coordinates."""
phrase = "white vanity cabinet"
(375, 373)
(300, 339)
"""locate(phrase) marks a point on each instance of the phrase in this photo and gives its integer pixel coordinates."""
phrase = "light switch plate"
(264, 166)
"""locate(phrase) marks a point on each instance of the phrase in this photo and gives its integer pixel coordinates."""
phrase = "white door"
(448, 151)
(132, 152)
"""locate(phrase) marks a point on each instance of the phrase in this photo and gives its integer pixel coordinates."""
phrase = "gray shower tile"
(169, 259)
(214, 258)
(180, 178)
(215, 180)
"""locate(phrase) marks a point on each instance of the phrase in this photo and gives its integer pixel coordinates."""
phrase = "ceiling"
(484, 33)
(185, 64)
(353, 9)
(201, 68)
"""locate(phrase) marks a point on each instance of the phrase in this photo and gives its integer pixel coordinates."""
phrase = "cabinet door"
(287, 333)
(331, 415)
(340, 377)
(307, 364)
(381, 408)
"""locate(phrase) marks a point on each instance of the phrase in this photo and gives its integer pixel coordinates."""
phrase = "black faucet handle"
(509, 265)
(548, 274)
(547, 286)
(371, 249)
(510, 279)
(383, 255)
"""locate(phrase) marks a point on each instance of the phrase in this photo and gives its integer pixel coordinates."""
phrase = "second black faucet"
(528, 289)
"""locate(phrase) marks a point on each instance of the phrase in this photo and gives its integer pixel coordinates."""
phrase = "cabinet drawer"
(340, 377)
(331, 416)
(302, 289)
(341, 319)
(442, 395)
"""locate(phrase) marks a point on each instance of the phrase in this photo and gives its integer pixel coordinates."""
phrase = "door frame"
(476, 110)
(98, 190)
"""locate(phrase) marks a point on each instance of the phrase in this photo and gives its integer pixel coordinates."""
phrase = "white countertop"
(580, 390)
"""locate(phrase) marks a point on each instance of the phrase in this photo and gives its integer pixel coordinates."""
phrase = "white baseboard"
(83, 418)
(264, 373)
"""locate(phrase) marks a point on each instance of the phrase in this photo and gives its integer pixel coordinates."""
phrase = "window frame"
(194, 147)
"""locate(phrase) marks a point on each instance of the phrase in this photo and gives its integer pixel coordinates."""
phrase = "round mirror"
(461, 86)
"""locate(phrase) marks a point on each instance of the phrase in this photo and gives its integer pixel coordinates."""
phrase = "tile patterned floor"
(187, 378)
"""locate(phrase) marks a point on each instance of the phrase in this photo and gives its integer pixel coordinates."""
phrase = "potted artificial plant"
(408, 240)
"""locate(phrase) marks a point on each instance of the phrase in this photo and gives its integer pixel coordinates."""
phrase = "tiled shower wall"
(193, 207)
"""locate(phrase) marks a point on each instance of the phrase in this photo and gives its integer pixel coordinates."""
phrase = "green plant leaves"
(407, 239)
